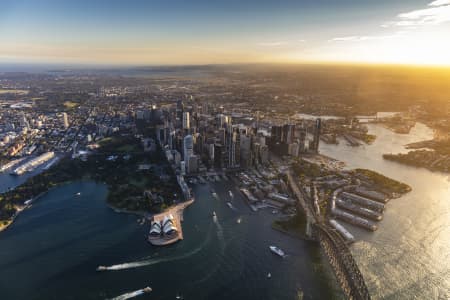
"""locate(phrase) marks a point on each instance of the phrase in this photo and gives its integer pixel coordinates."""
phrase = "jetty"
(174, 233)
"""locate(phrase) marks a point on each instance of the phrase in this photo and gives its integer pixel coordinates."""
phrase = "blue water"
(53, 249)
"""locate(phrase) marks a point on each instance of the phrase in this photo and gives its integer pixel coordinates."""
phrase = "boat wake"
(129, 295)
(219, 231)
(230, 205)
(223, 245)
(152, 261)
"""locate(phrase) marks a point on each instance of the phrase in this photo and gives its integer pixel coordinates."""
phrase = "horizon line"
(80, 65)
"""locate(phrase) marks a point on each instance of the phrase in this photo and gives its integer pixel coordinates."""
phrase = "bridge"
(339, 256)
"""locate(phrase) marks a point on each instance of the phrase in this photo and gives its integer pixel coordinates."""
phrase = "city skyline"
(201, 32)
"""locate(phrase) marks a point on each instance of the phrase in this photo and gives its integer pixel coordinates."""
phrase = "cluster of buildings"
(264, 188)
(202, 137)
(22, 131)
(292, 139)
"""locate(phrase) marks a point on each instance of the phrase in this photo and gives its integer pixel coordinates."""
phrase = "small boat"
(277, 251)
(78, 194)
(231, 194)
(269, 275)
(214, 214)
(238, 221)
(274, 212)
(230, 205)
(102, 268)
(28, 202)
(147, 289)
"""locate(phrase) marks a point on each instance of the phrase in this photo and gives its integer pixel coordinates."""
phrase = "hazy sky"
(233, 31)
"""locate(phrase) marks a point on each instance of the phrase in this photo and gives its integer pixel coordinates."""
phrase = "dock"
(177, 213)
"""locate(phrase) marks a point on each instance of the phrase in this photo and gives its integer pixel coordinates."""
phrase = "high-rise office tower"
(186, 120)
(188, 149)
(65, 120)
(317, 128)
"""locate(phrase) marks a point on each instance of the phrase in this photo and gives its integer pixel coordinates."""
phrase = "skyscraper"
(288, 133)
(188, 149)
(65, 120)
(186, 120)
(317, 128)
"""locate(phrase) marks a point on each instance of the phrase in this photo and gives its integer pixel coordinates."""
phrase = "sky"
(174, 32)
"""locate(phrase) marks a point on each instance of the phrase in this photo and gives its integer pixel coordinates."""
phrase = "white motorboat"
(277, 251)
(102, 268)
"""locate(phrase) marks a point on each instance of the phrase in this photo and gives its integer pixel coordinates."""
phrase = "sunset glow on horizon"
(200, 32)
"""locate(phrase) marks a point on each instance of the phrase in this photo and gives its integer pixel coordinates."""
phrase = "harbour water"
(408, 257)
(53, 249)
(8, 181)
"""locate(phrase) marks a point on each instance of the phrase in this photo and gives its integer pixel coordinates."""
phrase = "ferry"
(277, 251)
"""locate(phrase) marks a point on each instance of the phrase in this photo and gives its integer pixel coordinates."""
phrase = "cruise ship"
(32, 164)
(11, 164)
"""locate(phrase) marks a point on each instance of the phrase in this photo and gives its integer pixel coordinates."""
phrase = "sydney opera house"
(164, 232)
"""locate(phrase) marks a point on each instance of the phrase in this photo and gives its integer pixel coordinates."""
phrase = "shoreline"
(146, 215)
(21, 209)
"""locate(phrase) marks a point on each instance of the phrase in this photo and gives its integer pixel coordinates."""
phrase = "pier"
(334, 247)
